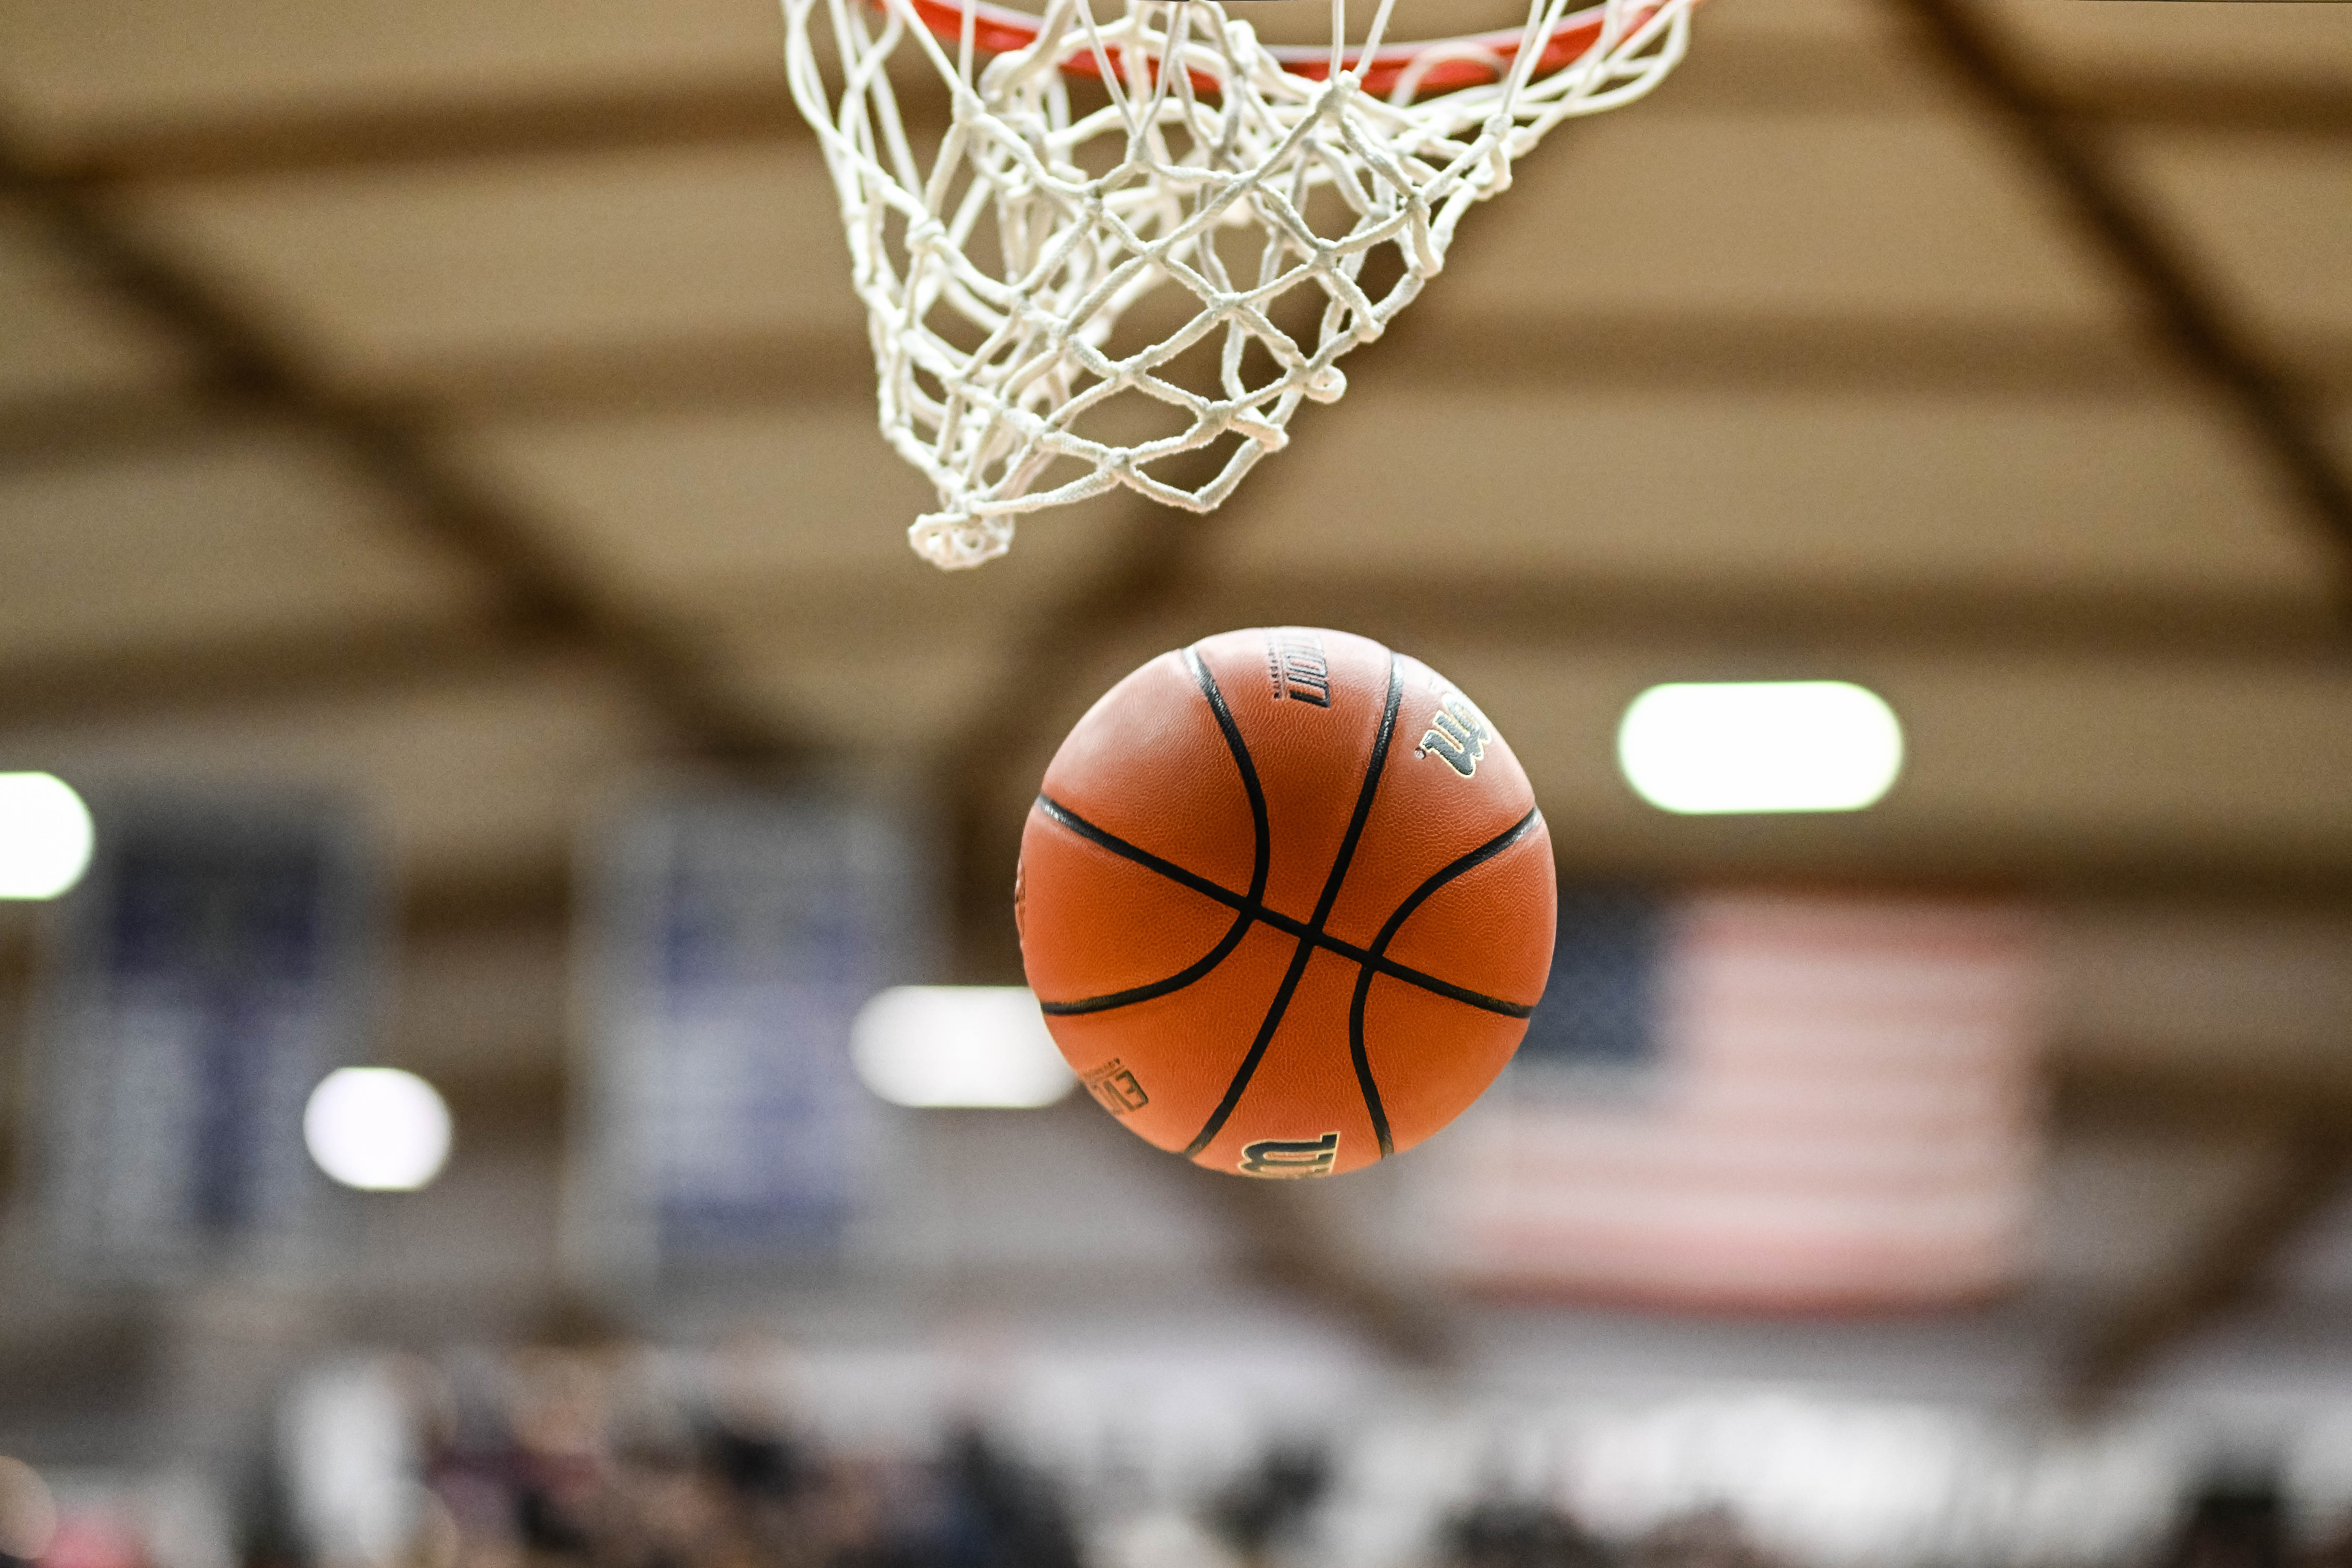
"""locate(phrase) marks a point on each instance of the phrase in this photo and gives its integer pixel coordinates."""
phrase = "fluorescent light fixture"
(377, 1129)
(1762, 745)
(45, 836)
(958, 1045)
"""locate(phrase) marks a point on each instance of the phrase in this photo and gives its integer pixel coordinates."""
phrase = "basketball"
(1286, 901)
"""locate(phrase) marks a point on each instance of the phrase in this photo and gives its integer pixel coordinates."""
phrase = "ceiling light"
(958, 1045)
(1756, 746)
(377, 1129)
(45, 836)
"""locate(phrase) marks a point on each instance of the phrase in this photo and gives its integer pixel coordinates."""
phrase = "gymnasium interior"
(446, 549)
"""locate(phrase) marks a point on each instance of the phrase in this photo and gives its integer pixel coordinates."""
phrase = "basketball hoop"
(1016, 280)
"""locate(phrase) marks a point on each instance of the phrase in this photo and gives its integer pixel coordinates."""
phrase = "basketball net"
(1083, 282)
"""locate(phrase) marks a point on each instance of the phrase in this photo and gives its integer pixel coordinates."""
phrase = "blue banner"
(735, 939)
(213, 966)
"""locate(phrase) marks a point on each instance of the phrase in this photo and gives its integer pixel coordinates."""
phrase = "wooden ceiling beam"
(248, 362)
(2211, 105)
(688, 375)
(2109, 1085)
(440, 906)
(1788, 76)
(2307, 1162)
(1665, 352)
(2301, 1122)
(1758, 628)
(328, 667)
(450, 130)
(1758, 75)
(2182, 308)
(1556, 614)
(71, 429)
(1537, 612)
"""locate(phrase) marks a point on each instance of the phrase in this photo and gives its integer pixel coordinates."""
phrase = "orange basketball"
(1286, 901)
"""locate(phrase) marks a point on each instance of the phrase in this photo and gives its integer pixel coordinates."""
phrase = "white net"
(1151, 235)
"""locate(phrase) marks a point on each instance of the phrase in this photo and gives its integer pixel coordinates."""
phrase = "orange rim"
(1482, 59)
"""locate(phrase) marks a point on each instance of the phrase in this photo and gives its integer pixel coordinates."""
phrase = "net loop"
(1136, 284)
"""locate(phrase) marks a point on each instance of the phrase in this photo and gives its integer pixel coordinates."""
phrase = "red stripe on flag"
(1844, 1112)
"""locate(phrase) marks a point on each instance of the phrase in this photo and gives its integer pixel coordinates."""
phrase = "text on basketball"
(1458, 736)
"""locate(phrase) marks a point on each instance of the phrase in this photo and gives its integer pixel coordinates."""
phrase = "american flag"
(1767, 1100)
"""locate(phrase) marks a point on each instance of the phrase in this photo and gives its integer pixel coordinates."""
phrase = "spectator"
(1521, 1535)
(1272, 1505)
(2239, 1525)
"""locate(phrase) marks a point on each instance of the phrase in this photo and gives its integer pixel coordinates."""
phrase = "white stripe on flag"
(1844, 1114)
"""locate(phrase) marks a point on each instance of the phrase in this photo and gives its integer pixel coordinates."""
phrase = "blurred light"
(350, 1452)
(89, 1539)
(1770, 745)
(377, 1129)
(28, 1514)
(959, 1045)
(45, 836)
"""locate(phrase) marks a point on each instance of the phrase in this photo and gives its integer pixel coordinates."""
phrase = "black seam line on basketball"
(1262, 849)
(1308, 939)
(1356, 1048)
(1176, 982)
(1288, 925)
(1260, 860)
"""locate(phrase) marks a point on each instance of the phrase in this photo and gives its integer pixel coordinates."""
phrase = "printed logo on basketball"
(1117, 1087)
(1292, 1157)
(1301, 669)
(1457, 736)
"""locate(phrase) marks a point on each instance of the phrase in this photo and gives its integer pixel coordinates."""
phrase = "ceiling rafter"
(248, 363)
(1550, 612)
(1743, 75)
(1641, 352)
(723, 372)
(246, 672)
(2308, 1162)
(2182, 308)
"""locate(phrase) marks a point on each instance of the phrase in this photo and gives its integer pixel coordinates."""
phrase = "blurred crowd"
(730, 1493)
(543, 1467)
(750, 1495)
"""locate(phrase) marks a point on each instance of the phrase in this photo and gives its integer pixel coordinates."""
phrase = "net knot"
(958, 543)
(928, 237)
